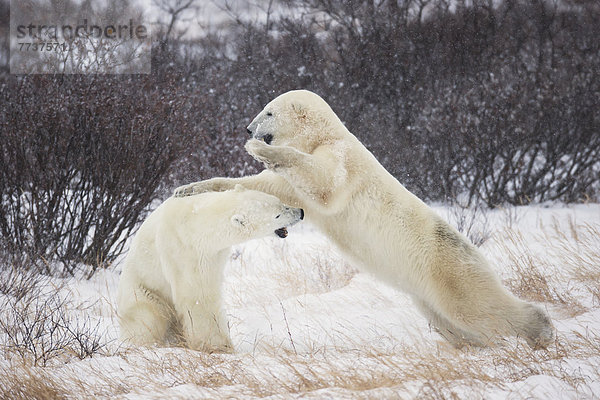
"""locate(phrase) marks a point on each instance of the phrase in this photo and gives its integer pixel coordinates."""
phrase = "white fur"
(171, 280)
(315, 163)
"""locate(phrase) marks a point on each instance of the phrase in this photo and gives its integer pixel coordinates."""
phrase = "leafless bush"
(36, 323)
(471, 221)
(4, 36)
(495, 102)
(521, 144)
(42, 330)
(17, 283)
(79, 167)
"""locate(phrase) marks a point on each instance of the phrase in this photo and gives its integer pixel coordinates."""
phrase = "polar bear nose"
(249, 131)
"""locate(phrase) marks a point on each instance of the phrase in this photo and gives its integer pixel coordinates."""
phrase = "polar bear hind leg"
(464, 296)
(452, 333)
(481, 311)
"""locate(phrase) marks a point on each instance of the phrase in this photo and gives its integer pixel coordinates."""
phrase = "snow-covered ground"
(305, 324)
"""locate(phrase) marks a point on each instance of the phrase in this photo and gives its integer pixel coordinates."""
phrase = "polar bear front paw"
(210, 185)
(185, 190)
(219, 343)
(262, 152)
(226, 348)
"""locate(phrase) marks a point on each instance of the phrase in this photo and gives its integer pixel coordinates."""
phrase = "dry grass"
(565, 276)
(573, 256)
(26, 384)
(423, 372)
(582, 256)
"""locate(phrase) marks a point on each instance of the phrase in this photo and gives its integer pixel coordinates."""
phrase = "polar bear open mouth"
(281, 232)
(268, 138)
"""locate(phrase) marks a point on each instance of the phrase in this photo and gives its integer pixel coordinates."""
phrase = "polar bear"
(314, 162)
(171, 279)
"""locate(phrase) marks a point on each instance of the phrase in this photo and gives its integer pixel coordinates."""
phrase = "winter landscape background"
(487, 110)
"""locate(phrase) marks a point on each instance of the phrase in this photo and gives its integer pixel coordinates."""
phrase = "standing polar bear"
(314, 162)
(171, 279)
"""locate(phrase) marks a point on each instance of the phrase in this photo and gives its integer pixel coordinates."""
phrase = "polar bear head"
(299, 118)
(256, 214)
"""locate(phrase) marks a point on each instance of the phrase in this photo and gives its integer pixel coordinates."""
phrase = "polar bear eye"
(269, 114)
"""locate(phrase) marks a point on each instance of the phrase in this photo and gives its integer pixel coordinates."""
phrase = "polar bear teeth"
(281, 232)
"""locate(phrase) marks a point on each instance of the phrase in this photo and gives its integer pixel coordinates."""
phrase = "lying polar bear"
(171, 279)
(315, 163)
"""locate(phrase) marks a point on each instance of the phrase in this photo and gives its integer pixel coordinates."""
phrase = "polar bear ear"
(239, 188)
(239, 220)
